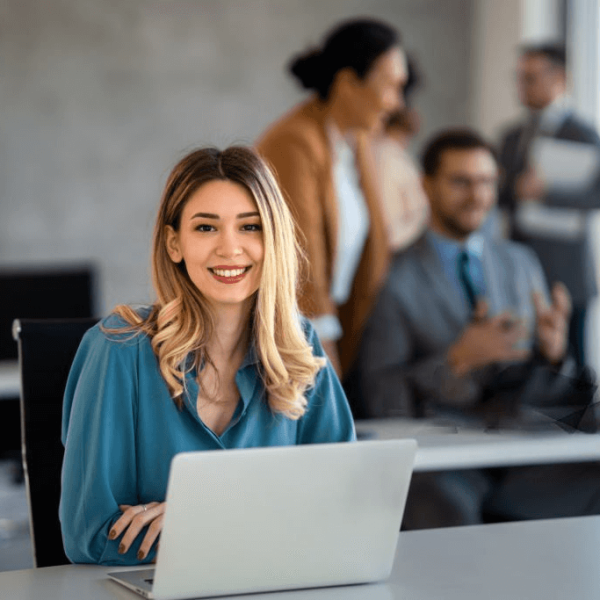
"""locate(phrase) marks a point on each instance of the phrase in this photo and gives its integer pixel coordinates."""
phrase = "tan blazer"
(298, 150)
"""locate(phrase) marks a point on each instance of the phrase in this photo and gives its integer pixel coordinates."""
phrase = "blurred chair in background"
(46, 350)
(67, 291)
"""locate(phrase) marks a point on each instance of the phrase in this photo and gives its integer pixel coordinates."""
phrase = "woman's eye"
(204, 227)
(252, 227)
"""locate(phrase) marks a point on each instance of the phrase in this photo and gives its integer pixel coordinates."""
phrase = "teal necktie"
(465, 278)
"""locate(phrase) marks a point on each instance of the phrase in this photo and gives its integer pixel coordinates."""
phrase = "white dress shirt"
(353, 228)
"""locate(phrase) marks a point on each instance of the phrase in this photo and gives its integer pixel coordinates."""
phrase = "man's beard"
(455, 228)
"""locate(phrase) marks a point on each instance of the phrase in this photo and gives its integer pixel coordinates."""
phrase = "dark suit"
(402, 370)
(418, 315)
(568, 260)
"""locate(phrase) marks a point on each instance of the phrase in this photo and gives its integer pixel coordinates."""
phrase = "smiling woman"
(222, 359)
(220, 241)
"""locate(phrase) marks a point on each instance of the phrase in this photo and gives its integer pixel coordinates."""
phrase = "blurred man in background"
(465, 329)
(545, 210)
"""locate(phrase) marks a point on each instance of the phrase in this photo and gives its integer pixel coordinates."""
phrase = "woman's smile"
(229, 275)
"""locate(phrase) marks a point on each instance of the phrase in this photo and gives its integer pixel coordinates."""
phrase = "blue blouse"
(121, 428)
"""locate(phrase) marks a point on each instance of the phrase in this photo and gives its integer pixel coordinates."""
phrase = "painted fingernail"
(141, 555)
(121, 548)
(112, 534)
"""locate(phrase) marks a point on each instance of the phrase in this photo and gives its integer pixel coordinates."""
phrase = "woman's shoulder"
(117, 329)
(303, 125)
(117, 318)
(311, 336)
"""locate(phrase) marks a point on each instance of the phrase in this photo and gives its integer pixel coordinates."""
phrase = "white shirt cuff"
(328, 327)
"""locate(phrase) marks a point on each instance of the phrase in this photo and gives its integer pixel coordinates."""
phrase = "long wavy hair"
(180, 323)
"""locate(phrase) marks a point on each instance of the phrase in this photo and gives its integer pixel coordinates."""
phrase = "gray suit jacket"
(402, 368)
(569, 261)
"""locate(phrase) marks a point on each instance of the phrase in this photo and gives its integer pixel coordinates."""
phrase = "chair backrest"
(46, 350)
(43, 293)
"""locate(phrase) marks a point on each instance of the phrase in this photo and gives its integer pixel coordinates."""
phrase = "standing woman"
(322, 158)
(222, 359)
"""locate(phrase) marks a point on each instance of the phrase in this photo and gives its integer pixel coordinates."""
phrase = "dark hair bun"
(308, 69)
(355, 44)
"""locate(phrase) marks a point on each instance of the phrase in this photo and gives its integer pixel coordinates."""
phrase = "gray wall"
(98, 99)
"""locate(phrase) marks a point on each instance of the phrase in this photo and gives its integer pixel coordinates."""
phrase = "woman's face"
(220, 240)
(371, 99)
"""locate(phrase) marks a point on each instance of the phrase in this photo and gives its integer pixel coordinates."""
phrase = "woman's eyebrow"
(202, 215)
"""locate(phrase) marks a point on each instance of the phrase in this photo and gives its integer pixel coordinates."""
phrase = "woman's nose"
(229, 245)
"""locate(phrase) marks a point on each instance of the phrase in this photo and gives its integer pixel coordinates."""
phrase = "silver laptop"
(278, 518)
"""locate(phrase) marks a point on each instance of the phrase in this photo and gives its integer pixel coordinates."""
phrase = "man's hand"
(488, 340)
(133, 520)
(530, 186)
(552, 323)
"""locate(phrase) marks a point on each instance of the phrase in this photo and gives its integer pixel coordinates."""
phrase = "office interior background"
(99, 98)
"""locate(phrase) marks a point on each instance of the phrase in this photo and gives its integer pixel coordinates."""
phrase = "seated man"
(465, 329)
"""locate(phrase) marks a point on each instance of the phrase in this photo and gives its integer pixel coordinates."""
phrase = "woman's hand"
(133, 520)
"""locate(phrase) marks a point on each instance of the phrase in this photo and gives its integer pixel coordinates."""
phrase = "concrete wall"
(495, 36)
(98, 99)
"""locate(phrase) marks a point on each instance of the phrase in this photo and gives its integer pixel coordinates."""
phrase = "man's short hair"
(451, 139)
(555, 53)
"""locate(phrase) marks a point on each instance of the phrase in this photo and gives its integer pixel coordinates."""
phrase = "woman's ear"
(173, 245)
(345, 82)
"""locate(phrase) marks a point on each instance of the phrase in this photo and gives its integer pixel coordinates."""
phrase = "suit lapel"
(566, 129)
(451, 304)
(374, 264)
(517, 152)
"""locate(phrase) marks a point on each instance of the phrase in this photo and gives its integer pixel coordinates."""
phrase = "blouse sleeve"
(328, 417)
(98, 432)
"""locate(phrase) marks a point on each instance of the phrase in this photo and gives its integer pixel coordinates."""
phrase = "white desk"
(533, 560)
(10, 382)
(444, 447)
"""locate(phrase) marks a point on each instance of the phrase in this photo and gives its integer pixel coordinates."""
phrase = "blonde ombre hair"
(180, 322)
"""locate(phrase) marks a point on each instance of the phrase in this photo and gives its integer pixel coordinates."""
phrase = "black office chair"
(46, 350)
(37, 292)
